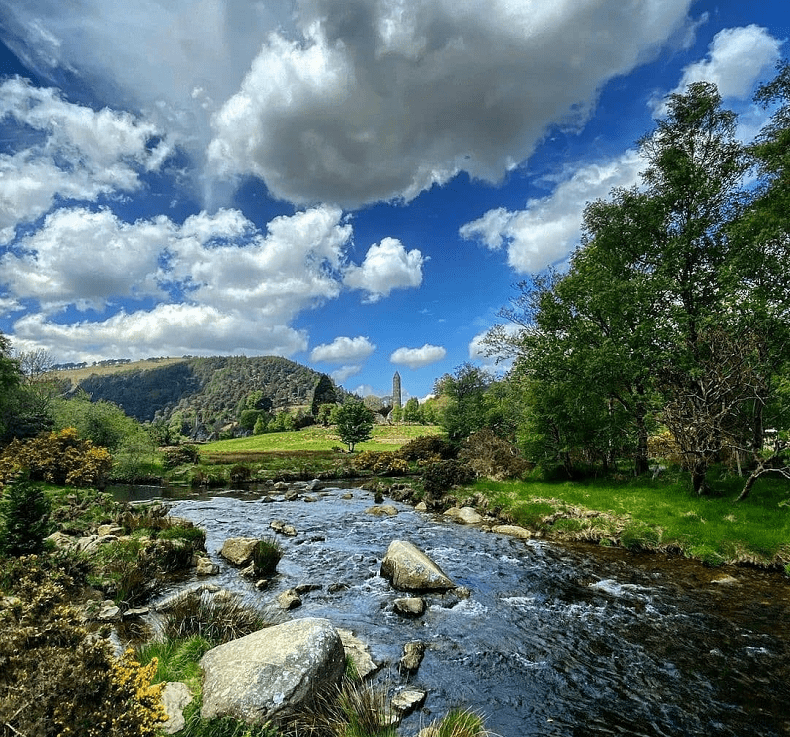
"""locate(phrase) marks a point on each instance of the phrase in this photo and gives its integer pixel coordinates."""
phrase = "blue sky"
(356, 185)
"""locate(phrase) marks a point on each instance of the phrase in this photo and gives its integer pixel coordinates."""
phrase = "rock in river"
(409, 569)
(272, 673)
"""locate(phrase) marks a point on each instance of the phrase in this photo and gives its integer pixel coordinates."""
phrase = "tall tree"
(354, 422)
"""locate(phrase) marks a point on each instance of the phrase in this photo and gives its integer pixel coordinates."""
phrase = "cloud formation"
(73, 153)
(218, 283)
(387, 266)
(350, 102)
(418, 357)
(343, 349)
(549, 227)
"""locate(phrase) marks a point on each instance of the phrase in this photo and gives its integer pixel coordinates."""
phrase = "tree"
(465, 390)
(324, 393)
(354, 422)
(411, 410)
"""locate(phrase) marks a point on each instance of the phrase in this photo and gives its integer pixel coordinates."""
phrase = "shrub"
(217, 620)
(24, 519)
(265, 557)
(58, 457)
(383, 463)
(181, 455)
(428, 447)
(440, 476)
(458, 723)
(492, 457)
(57, 679)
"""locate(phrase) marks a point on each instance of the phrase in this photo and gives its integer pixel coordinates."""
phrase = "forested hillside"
(200, 396)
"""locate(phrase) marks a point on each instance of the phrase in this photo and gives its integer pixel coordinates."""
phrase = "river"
(553, 641)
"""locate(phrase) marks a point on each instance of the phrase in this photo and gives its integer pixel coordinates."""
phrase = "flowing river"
(554, 640)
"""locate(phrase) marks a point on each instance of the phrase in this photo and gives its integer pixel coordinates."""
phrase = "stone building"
(396, 395)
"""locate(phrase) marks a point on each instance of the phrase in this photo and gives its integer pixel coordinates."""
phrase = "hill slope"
(202, 394)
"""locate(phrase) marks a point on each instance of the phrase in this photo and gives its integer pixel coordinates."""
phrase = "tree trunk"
(698, 481)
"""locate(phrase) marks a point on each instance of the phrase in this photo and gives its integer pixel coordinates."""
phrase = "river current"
(553, 640)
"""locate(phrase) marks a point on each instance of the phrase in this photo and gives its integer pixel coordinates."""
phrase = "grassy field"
(385, 437)
(662, 514)
(80, 374)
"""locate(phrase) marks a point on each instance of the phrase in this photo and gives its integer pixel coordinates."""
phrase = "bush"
(383, 463)
(265, 557)
(428, 448)
(61, 458)
(57, 679)
(181, 455)
(240, 473)
(24, 519)
(216, 620)
(440, 476)
(492, 457)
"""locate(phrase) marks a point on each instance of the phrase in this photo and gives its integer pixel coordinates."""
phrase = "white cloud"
(221, 284)
(341, 374)
(387, 266)
(548, 229)
(350, 103)
(418, 357)
(75, 154)
(736, 59)
(343, 349)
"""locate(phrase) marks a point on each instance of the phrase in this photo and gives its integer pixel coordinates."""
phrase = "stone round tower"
(396, 396)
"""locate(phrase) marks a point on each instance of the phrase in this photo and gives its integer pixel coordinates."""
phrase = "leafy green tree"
(411, 410)
(260, 426)
(354, 422)
(102, 422)
(465, 390)
(324, 393)
(324, 416)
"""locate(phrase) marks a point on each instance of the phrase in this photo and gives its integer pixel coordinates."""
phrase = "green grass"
(659, 514)
(317, 438)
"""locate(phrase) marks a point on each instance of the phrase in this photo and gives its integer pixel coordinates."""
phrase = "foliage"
(58, 457)
(428, 447)
(465, 390)
(265, 557)
(458, 723)
(24, 519)
(103, 423)
(181, 455)
(440, 476)
(491, 456)
(354, 423)
(383, 463)
(324, 393)
(215, 619)
(57, 679)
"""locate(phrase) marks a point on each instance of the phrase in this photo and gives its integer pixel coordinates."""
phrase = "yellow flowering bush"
(58, 457)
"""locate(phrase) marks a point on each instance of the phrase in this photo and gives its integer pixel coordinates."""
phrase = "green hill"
(204, 395)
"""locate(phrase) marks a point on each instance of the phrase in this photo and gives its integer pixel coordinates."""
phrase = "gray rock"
(413, 653)
(175, 698)
(411, 606)
(110, 530)
(273, 673)
(513, 531)
(204, 566)
(382, 510)
(464, 515)
(409, 569)
(409, 699)
(289, 600)
(284, 529)
(358, 652)
(238, 550)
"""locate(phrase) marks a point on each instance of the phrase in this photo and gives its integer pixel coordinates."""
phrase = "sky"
(356, 185)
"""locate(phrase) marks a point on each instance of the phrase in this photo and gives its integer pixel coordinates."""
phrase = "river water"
(553, 641)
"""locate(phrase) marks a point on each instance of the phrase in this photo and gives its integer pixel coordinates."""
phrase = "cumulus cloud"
(418, 357)
(549, 227)
(387, 266)
(736, 59)
(218, 282)
(344, 372)
(74, 153)
(343, 349)
(349, 102)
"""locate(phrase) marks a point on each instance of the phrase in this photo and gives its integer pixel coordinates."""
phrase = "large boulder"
(273, 673)
(409, 569)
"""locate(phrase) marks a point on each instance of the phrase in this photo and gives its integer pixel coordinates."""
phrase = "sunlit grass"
(385, 437)
(706, 527)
